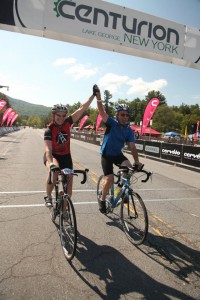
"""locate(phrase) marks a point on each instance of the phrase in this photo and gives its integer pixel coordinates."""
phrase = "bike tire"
(68, 229)
(54, 208)
(134, 218)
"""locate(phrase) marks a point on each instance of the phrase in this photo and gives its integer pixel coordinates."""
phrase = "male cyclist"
(118, 132)
(57, 144)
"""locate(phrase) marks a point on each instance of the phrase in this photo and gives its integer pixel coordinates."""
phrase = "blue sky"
(44, 71)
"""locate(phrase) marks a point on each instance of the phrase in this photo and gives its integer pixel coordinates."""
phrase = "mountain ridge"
(24, 108)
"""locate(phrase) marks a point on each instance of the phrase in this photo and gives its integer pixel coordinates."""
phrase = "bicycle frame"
(124, 190)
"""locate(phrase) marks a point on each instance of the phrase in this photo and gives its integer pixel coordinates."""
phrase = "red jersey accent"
(60, 136)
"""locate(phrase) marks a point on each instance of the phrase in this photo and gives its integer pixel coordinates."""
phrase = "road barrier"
(5, 130)
(180, 154)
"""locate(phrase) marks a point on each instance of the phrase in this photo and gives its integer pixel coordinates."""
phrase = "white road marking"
(37, 192)
(91, 202)
(95, 202)
(90, 190)
(194, 215)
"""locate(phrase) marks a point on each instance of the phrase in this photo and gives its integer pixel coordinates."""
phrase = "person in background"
(57, 144)
(137, 135)
(118, 132)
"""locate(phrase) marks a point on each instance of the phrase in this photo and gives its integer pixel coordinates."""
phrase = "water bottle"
(60, 194)
(58, 199)
(117, 191)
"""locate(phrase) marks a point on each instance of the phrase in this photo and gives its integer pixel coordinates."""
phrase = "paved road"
(107, 266)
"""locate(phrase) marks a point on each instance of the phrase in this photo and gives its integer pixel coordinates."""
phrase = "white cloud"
(196, 97)
(81, 71)
(112, 82)
(78, 71)
(141, 87)
(64, 61)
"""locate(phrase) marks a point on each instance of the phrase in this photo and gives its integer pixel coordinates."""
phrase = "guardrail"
(5, 130)
(177, 153)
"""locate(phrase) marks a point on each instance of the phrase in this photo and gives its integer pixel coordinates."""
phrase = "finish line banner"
(103, 25)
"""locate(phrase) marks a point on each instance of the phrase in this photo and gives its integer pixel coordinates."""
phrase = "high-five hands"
(95, 90)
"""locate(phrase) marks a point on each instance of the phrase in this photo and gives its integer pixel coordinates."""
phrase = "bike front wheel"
(68, 228)
(134, 218)
(54, 209)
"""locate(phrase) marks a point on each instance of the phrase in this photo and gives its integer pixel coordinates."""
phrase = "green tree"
(164, 119)
(184, 109)
(92, 113)
(156, 94)
(36, 121)
(137, 108)
(108, 105)
(74, 107)
(195, 109)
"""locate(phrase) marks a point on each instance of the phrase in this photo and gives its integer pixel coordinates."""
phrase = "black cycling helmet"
(58, 108)
(121, 107)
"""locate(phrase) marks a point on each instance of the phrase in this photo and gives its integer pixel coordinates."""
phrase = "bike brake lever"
(148, 175)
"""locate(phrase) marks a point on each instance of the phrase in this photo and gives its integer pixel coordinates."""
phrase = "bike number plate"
(67, 171)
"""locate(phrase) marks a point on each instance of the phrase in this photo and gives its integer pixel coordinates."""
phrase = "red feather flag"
(82, 122)
(149, 111)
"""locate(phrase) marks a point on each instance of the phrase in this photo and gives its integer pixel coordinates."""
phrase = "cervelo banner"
(106, 26)
(5, 115)
(82, 122)
(2, 104)
(171, 151)
(149, 111)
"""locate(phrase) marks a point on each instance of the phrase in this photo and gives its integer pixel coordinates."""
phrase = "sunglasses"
(61, 116)
(124, 115)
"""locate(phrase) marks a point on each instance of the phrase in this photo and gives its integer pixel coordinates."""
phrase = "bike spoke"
(134, 219)
(68, 229)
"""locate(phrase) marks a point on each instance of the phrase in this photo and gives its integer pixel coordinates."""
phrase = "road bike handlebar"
(76, 172)
(67, 171)
(134, 169)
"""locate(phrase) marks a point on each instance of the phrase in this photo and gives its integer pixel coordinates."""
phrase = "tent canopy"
(171, 133)
(148, 130)
(89, 127)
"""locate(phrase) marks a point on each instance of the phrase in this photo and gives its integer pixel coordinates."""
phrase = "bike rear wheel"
(68, 228)
(134, 218)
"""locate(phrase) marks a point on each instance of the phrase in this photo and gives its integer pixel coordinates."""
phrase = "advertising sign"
(105, 26)
(191, 156)
(139, 146)
(152, 148)
(171, 152)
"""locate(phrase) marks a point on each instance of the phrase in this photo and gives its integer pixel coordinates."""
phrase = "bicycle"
(133, 213)
(63, 207)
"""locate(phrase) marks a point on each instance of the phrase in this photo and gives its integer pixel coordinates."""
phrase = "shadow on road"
(177, 257)
(111, 275)
(182, 260)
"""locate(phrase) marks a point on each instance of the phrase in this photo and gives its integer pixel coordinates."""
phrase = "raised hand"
(95, 90)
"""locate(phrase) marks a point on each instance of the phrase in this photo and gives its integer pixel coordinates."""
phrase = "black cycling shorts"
(64, 161)
(108, 162)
